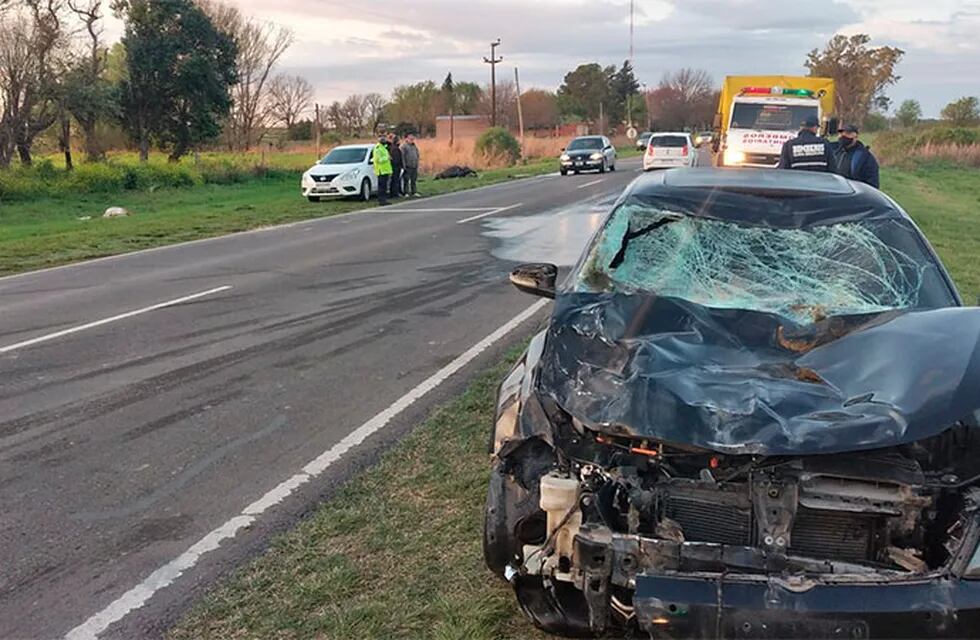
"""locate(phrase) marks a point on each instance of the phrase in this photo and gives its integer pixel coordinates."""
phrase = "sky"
(346, 47)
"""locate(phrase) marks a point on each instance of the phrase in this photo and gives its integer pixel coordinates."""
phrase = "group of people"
(396, 164)
(848, 156)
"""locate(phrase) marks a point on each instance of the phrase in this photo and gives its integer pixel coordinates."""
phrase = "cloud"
(347, 47)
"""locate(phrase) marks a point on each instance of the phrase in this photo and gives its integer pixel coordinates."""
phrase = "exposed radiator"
(831, 534)
(710, 522)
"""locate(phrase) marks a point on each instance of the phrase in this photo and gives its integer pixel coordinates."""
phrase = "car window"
(839, 269)
(582, 144)
(345, 156)
(669, 141)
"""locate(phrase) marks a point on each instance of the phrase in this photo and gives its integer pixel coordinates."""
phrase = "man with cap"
(852, 159)
(807, 151)
(381, 159)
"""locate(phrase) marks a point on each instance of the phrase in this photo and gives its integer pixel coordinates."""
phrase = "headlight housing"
(565, 156)
(733, 156)
(596, 156)
(350, 175)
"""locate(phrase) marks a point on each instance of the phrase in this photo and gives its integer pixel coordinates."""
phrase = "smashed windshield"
(801, 273)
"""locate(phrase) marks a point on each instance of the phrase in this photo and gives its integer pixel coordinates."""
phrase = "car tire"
(564, 172)
(575, 172)
(313, 198)
(613, 167)
(365, 190)
(602, 169)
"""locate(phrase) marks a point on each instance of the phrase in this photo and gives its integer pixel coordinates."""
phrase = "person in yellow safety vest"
(381, 159)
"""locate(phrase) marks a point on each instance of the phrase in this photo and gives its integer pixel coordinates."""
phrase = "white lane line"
(99, 323)
(165, 575)
(489, 213)
(589, 184)
(446, 210)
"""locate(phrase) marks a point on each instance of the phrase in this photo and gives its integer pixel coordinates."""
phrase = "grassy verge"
(50, 231)
(395, 555)
(945, 203)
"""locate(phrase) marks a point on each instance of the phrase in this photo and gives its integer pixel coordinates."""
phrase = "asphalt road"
(146, 401)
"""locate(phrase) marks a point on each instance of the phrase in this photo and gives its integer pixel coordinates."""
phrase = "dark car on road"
(588, 153)
(753, 414)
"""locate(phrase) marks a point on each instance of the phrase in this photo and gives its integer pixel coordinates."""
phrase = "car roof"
(766, 197)
(670, 133)
(353, 146)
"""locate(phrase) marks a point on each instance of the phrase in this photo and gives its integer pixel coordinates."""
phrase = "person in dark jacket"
(410, 167)
(852, 159)
(395, 184)
(807, 151)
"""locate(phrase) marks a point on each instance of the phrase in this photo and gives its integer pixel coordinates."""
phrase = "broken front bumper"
(727, 607)
(695, 590)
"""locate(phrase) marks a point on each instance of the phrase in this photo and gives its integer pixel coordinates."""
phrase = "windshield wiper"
(632, 235)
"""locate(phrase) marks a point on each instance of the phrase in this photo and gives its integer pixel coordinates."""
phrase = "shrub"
(96, 178)
(498, 142)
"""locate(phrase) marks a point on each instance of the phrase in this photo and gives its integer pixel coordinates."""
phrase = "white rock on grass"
(115, 212)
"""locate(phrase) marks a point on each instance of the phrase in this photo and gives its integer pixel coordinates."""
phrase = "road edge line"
(163, 577)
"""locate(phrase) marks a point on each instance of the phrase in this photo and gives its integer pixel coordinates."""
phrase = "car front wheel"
(366, 190)
(313, 198)
(602, 169)
(564, 172)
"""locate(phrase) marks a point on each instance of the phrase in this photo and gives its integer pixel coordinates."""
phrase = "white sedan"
(346, 171)
(666, 150)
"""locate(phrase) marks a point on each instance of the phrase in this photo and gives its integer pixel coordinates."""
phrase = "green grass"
(395, 555)
(52, 230)
(945, 203)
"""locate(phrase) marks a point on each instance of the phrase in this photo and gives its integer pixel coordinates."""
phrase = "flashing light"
(733, 157)
(777, 91)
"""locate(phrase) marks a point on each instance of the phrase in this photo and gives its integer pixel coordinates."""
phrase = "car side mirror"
(536, 279)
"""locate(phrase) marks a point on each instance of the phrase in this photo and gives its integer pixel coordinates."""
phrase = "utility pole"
(316, 129)
(629, 96)
(493, 61)
(520, 111)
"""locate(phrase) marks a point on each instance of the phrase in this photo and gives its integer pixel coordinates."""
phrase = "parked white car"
(346, 171)
(667, 150)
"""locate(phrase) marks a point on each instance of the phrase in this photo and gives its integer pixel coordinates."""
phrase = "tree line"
(186, 73)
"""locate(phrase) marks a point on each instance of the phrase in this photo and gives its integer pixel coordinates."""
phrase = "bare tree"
(289, 98)
(355, 113)
(376, 105)
(31, 41)
(260, 46)
(87, 93)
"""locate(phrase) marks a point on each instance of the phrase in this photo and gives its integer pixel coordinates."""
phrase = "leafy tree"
(468, 96)
(909, 113)
(623, 87)
(861, 73)
(448, 94)
(416, 104)
(540, 109)
(88, 94)
(585, 91)
(964, 112)
(180, 69)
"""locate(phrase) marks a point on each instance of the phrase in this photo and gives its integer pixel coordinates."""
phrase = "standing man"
(410, 169)
(852, 159)
(395, 184)
(381, 160)
(807, 151)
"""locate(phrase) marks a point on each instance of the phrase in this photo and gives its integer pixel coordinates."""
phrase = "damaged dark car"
(753, 414)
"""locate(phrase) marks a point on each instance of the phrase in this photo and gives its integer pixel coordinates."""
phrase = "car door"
(372, 176)
(609, 150)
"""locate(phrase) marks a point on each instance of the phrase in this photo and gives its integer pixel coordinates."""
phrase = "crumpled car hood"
(743, 382)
